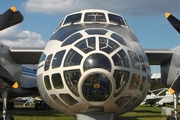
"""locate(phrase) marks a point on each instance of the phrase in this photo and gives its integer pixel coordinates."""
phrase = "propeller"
(9, 18)
(176, 24)
(173, 20)
(175, 86)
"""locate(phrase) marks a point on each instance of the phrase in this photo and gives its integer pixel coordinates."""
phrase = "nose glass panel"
(97, 61)
(96, 87)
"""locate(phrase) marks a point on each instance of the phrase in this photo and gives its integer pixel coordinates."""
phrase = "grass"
(144, 112)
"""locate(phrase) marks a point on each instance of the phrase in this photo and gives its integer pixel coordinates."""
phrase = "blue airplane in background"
(28, 87)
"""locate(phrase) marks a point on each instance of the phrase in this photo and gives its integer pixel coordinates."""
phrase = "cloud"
(51, 7)
(131, 7)
(14, 37)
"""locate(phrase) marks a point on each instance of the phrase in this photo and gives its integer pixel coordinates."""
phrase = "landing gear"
(173, 118)
(175, 99)
(9, 117)
(10, 105)
(4, 99)
(42, 106)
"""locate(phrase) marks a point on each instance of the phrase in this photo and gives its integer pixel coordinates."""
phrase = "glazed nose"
(97, 60)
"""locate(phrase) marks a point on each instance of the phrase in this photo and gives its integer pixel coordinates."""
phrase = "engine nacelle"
(171, 70)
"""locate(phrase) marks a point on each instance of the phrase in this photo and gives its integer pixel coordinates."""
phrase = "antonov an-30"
(93, 66)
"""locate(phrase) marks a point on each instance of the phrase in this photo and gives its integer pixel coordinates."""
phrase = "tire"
(9, 117)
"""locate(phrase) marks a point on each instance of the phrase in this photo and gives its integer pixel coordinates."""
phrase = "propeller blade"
(173, 20)
(175, 86)
(7, 77)
(9, 18)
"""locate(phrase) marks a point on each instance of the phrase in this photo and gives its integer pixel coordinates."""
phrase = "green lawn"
(144, 112)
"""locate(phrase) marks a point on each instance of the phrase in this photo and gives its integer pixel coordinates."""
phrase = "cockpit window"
(47, 62)
(121, 59)
(135, 81)
(134, 60)
(59, 24)
(142, 85)
(118, 39)
(43, 56)
(73, 58)
(146, 61)
(57, 81)
(57, 59)
(107, 45)
(142, 63)
(96, 31)
(87, 45)
(97, 61)
(96, 87)
(72, 78)
(73, 18)
(121, 80)
(72, 39)
(47, 82)
(116, 19)
(94, 17)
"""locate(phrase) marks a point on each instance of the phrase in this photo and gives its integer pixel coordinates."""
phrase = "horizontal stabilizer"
(173, 20)
(9, 18)
(175, 87)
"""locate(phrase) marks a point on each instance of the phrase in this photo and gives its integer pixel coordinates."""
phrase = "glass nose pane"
(96, 87)
(97, 61)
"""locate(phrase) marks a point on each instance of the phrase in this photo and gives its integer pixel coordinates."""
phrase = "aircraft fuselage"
(93, 63)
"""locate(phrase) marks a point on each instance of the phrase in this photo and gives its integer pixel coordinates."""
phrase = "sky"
(41, 17)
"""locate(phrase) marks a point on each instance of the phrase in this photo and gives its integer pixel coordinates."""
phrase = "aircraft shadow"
(133, 115)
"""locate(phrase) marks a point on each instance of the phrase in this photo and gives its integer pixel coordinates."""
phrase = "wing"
(158, 56)
(32, 55)
(153, 100)
(26, 55)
